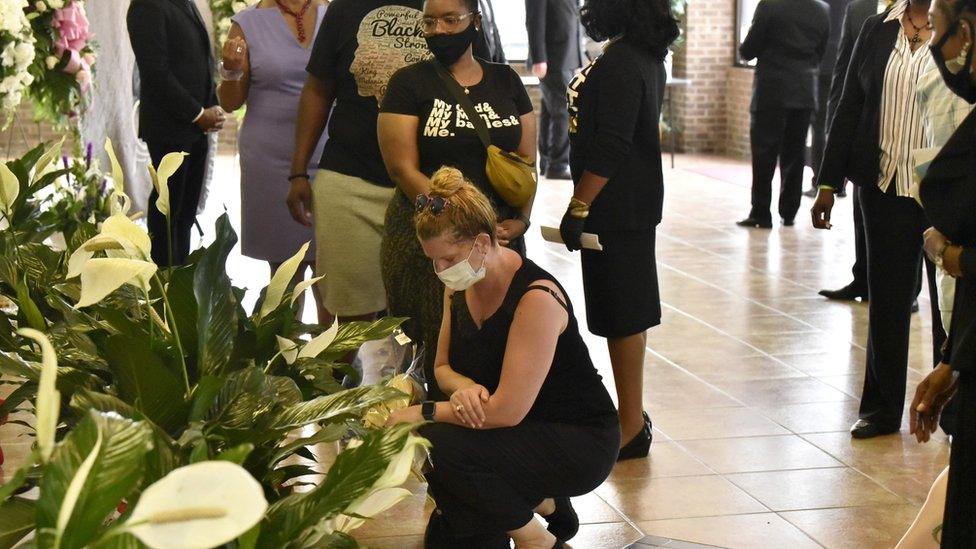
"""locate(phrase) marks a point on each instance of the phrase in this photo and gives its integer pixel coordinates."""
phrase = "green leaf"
(334, 407)
(286, 390)
(14, 483)
(216, 305)
(179, 292)
(120, 446)
(145, 382)
(23, 393)
(84, 400)
(203, 396)
(28, 309)
(40, 263)
(16, 521)
(238, 454)
(244, 397)
(282, 277)
(121, 541)
(330, 433)
(352, 335)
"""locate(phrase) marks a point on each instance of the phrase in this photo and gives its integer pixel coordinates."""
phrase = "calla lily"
(124, 229)
(119, 237)
(118, 178)
(288, 348)
(45, 160)
(9, 190)
(48, 403)
(203, 505)
(160, 178)
(279, 282)
(102, 276)
(302, 286)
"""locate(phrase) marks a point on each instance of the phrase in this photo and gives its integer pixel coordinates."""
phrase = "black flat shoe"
(789, 222)
(847, 293)
(640, 445)
(842, 193)
(863, 429)
(754, 223)
(563, 522)
(562, 175)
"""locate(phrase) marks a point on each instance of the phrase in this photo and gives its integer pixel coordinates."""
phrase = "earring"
(959, 62)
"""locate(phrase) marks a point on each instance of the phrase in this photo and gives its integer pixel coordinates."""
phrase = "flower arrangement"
(16, 56)
(63, 61)
(80, 195)
(222, 11)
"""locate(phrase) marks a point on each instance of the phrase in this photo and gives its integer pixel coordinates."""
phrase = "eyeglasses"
(451, 22)
(436, 204)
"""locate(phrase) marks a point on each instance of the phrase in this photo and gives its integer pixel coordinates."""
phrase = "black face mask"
(959, 82)
(448, 48)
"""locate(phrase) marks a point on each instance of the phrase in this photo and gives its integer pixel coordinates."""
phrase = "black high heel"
(640, 445)
(563, 522)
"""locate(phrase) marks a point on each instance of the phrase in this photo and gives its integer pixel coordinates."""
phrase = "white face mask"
(461, 276)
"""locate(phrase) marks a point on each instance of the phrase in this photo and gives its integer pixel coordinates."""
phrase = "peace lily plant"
(164, 414)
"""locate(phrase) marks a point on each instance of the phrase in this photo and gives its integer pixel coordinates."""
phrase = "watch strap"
(427, 410)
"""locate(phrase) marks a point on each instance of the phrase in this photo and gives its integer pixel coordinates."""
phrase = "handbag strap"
(464, 101)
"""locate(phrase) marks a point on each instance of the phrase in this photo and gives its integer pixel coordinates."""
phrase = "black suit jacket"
(853, 141)
(488, 46)
(175, 68)
(838, 8)
(554, 32)
(855, 15)
(789, 38)
(948, 194)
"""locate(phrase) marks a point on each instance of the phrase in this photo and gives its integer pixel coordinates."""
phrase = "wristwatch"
(427, 410)
(524, 219)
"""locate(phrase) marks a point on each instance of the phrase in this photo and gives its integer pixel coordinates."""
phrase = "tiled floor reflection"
(751, 380)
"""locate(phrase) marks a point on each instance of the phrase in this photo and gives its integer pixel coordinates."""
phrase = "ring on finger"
(459, 408)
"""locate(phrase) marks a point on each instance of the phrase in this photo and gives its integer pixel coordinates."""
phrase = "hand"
(821, 209)
(212, 120)
(935, 244)
(234, 53)
(469, 405)
(931, 397)
(571, 230)
(410, 414)
(540, 70)
(300, 201)
(952, 261)
(509, 230)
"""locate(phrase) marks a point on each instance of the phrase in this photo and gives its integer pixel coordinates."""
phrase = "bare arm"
(527, 148)
(313, 111)
(397, 134)
(233, 93)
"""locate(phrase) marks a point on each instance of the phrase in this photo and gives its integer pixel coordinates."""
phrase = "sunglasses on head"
(435, 204)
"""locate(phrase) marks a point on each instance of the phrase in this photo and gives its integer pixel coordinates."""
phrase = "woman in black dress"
(948, 195)
(615, 158)
(421, 128)
(528, 423)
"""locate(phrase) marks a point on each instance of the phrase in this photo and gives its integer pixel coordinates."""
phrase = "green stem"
(169, 240)
(175, 329)
(152, 333)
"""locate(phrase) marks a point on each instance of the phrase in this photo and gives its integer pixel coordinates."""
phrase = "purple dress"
(267, 137)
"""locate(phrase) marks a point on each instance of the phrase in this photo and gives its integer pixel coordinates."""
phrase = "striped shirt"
(902, 130)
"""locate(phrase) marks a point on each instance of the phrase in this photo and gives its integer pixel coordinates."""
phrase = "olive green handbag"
(512, 175)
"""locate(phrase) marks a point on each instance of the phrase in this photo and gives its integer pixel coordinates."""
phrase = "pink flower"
(71, 25)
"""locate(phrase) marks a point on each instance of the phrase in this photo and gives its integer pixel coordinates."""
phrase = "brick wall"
(737, 100)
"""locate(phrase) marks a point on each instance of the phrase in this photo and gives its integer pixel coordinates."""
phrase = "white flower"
(23, 55)
(238, 6)
(40, 6)
(55, 4)
(51, 62)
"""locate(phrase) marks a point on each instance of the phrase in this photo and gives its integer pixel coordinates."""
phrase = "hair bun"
(446, 182)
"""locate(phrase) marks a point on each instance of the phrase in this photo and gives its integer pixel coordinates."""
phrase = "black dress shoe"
(847, 293)
(789, 222)
(812, 192)
(640, 445)
(563, 522)
(842, 193)
(754, 223)
(863, 429)
(560, 174)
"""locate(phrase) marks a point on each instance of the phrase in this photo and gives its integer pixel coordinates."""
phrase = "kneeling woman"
(529, 423)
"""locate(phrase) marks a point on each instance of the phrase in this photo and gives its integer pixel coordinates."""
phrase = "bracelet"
(521, 217)
(227, 74)
(940, 256)
(578, 209)
(295, 176)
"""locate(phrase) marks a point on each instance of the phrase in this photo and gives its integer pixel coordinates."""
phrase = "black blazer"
(856, 14)
(948, 194)
(838, 9)
(488, 46)
(554, 32)
(789, 38)
(175, 68)
(853, 148)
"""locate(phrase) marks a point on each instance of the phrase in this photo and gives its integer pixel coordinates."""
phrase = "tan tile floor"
(751, 380)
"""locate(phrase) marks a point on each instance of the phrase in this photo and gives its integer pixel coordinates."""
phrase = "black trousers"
(959, 521)
(487, 482)
(554, 121)
(778, 136)
(860, 268)
(818, 124)
(184, 196)
(893, 227)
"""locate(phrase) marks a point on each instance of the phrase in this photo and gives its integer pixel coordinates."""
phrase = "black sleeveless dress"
(486, 482)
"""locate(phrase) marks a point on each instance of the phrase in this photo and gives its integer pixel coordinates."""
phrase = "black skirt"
(620, 284)
(959, 526)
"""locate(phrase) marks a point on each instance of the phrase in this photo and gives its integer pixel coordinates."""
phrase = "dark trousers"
(554, 121)
(959, 521)
(860, 268)
(487, 482)
(184, 196)
(818, 123)
(893, 227)
(777, 135)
